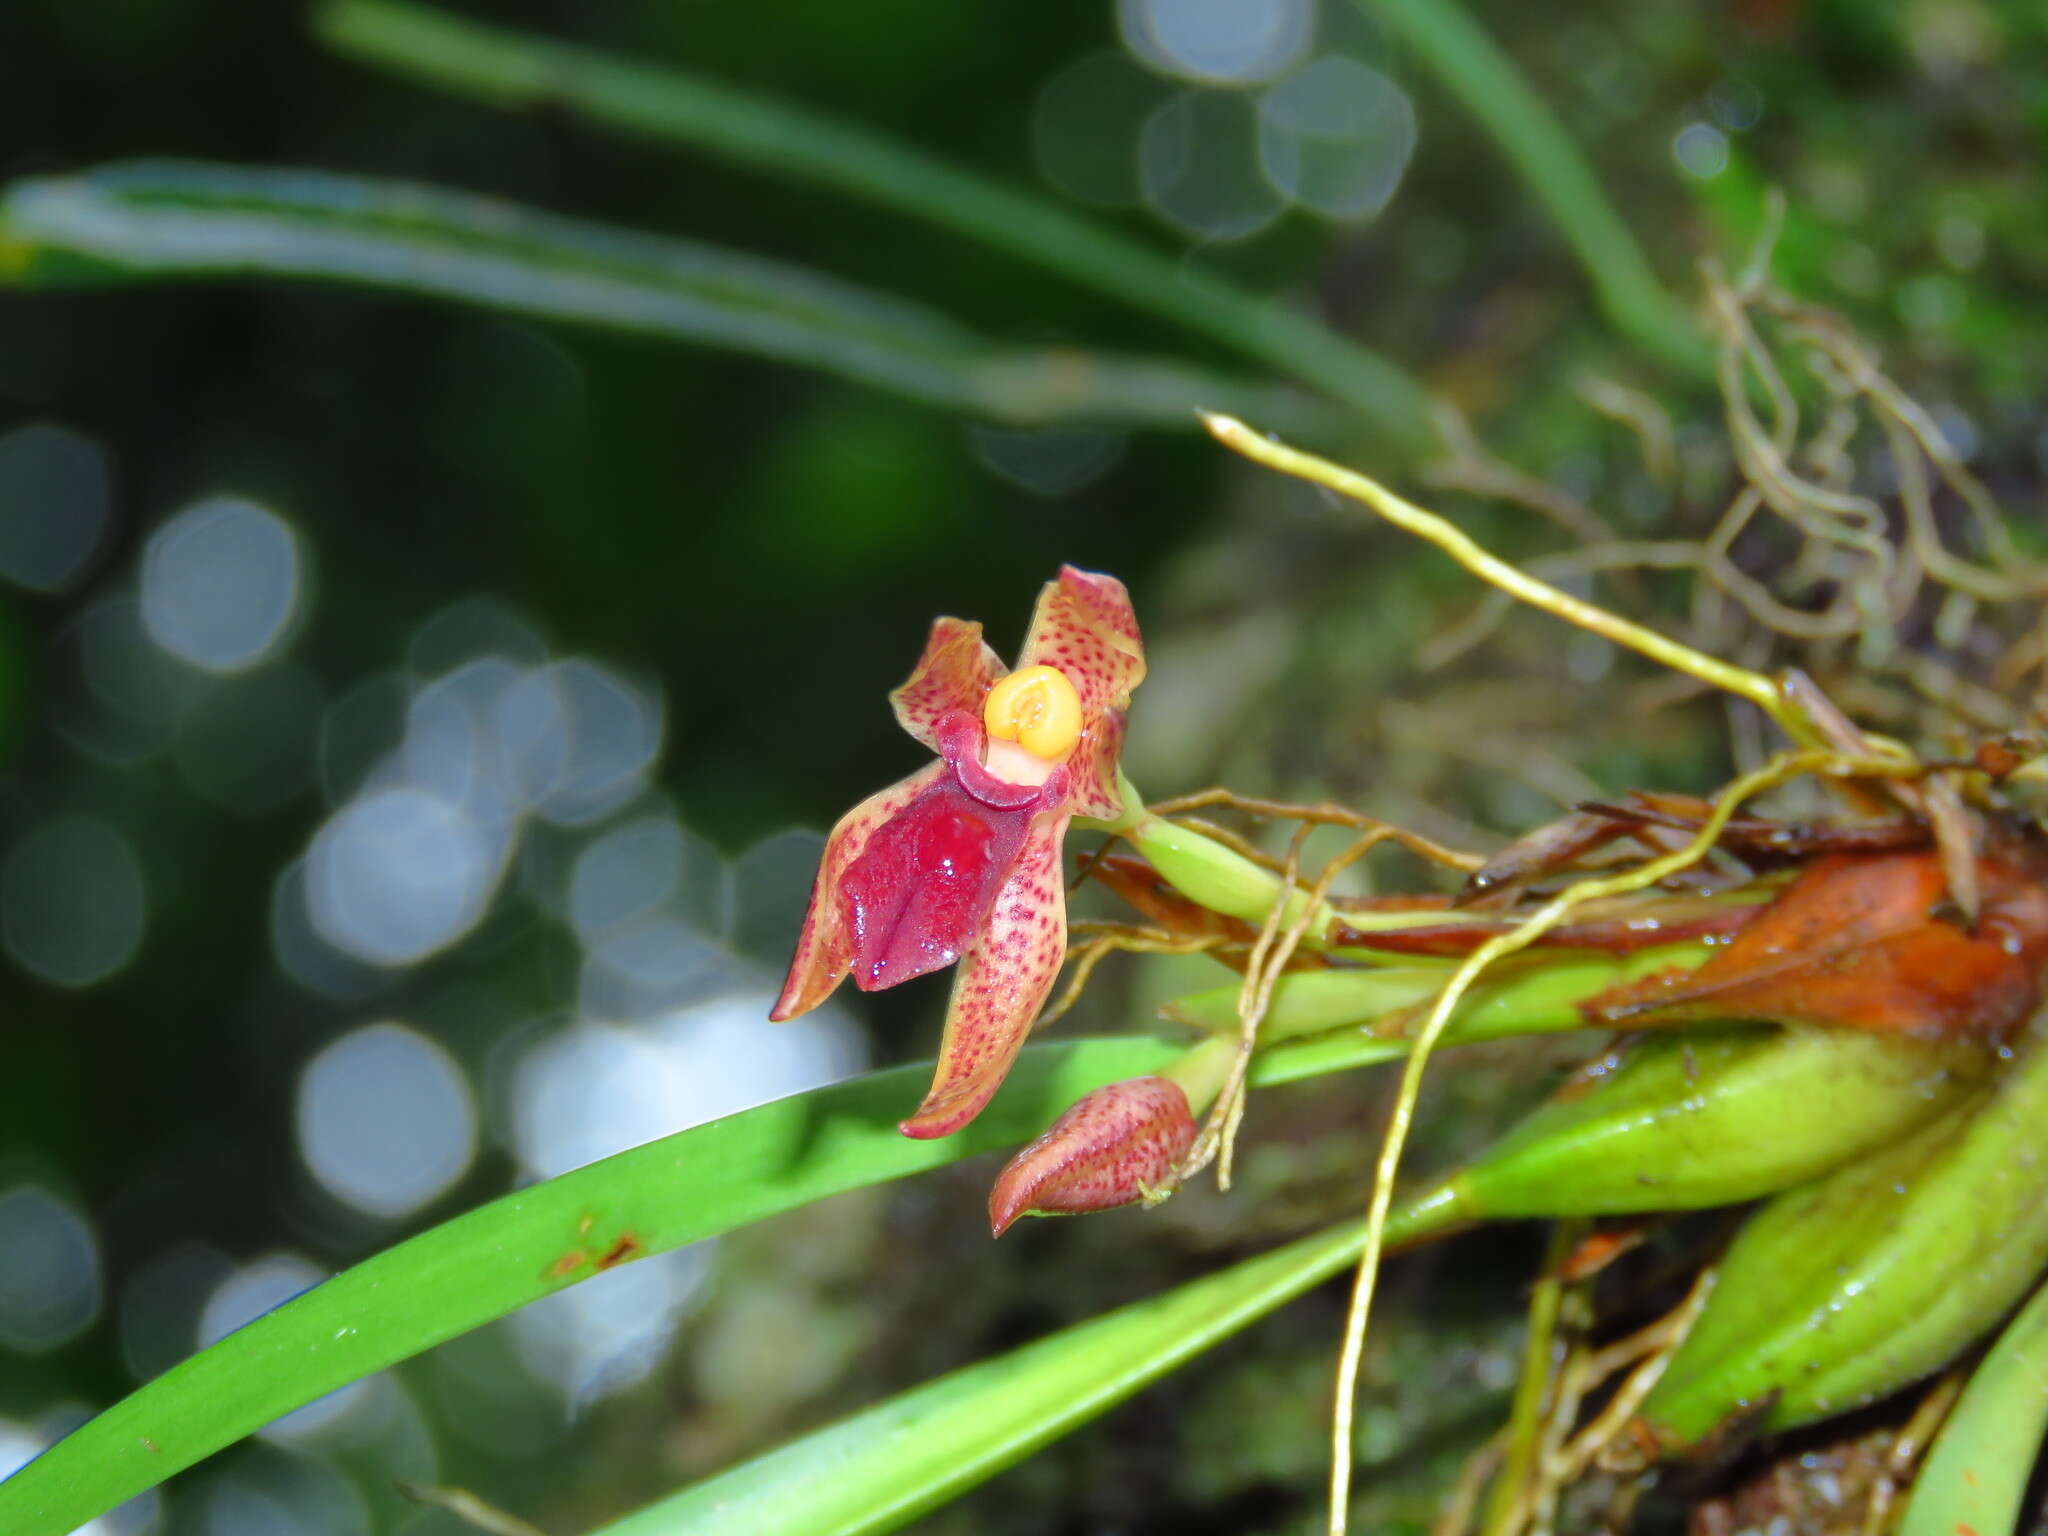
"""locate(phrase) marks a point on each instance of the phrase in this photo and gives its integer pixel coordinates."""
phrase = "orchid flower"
(961, 861)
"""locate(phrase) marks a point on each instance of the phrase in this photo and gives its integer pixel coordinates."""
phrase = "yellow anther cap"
(1038, 709)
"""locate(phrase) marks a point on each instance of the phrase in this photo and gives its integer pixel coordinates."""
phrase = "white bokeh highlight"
(304, 954)
(577, 739)
(220, 582)
(1224, 42)
(1336, 136)
(49, 1270)
(654, 964)
(1198, 161)
(410, 863)
(398, 874)
(1701, 150)
(625, 871)
(480, 757)
(386, 1121)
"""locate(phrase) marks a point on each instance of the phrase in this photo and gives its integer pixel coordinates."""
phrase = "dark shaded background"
(761, 550)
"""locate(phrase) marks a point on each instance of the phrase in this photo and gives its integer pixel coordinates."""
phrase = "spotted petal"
(1093, 767)
(955, 672)
(1084, 625)
(1001, 985)
(825, 948)
(919, 894)
(1114, 1147)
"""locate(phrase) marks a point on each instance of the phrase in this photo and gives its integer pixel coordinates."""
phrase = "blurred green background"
(418, 720)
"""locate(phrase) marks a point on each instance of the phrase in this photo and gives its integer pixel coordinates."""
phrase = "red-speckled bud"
(1114, 1147)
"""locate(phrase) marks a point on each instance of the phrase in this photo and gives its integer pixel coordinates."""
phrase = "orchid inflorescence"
(1889, 963)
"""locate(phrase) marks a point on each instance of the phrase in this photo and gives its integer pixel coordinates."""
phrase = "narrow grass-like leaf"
(522, 1247)
(667, 106)
(1977, 1474)
(1487, 84)
(162, 220)
(492, 1261)
(891, 1463)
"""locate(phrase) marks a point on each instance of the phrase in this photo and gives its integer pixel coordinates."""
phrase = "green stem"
(1225, 881)
(1486, 82)
(1219, 878)
(667, 107)
(1378, 1006)
(1772, 696)
(1202, 1072)
(1313, 1002)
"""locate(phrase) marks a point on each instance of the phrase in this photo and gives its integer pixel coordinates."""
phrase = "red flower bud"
(1114, 1147)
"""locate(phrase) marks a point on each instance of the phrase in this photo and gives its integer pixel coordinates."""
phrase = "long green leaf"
(1977, 1473)
(1487, 84)
(158, 220)
(890, 1463)
(491, 1261)
(498, 1258)
(666, 106)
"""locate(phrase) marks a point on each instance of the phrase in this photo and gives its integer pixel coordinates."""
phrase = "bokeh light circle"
(49, 1270)
(220, 581)
(1198, 160)
(396, 875)
(1336, 136)
(625, 871)
(1701, 150)
(577, 739)
(1233, 42)
(386, 1121)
